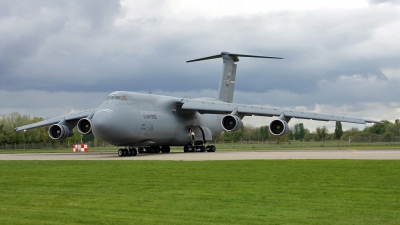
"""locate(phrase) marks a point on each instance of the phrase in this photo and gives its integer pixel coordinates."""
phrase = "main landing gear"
(155, 149)
(127, 152)
(199, 148)
(148, 149)
(164, 149)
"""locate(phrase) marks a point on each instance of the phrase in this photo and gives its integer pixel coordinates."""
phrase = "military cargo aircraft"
(153, 123)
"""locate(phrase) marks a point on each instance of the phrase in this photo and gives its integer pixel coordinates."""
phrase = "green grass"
(209, 192)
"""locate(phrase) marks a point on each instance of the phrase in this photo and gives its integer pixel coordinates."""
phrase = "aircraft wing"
(203, 106)
(55, 120)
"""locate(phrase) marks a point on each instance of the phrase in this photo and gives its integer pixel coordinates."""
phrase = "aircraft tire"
(202, 149)
(185, 148)
(141, 150)
(155, 149)
(120, 152)
(133, 152)
(212, 148)
(126, 152)
(165, 149)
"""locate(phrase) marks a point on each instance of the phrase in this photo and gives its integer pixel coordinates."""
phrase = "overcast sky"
(341, 57)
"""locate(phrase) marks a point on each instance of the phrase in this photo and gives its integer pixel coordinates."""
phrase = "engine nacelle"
(60, 132)
(279, 127)
(84, 126)
(231, 123)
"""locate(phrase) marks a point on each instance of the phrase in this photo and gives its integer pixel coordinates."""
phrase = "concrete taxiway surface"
(223, 155)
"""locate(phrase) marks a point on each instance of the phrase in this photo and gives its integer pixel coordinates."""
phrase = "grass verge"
(210, 192)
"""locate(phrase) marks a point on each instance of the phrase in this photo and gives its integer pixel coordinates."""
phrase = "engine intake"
(231, 123)
(60, 132)
(84, 126)
(279, 127)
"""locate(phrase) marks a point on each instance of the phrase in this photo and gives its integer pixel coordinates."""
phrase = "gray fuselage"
(139, 119)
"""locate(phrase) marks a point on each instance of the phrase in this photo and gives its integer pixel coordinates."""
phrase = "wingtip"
(372, 121)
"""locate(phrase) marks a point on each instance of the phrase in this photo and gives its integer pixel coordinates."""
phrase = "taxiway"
(375, 154)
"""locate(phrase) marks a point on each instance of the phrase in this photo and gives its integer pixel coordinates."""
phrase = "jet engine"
(84, 126)
(231, 123)
(60, 132)
(279, 127)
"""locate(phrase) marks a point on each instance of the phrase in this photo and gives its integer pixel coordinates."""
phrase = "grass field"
(209, 192)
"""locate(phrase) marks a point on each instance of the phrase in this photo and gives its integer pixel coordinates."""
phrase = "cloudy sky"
(341, 57)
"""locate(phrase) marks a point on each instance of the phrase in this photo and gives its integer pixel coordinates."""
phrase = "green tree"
(322, 132)
(290, 134)
(393, 128)
(299, 131)
(87, 138)
(338, 130)
(309, 136)
(264, 132)
(377, 128)
(1, 133)
(387, 136)
(351, 133)
(302, 131)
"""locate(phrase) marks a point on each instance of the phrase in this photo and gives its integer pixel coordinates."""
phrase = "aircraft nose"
(105, 128)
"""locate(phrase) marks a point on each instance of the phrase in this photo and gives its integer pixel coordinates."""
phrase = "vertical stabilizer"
(227, 84)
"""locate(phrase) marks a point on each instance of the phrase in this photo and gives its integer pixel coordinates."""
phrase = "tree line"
(384, 131)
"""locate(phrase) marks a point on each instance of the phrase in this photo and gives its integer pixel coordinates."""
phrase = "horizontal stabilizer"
(233, 56)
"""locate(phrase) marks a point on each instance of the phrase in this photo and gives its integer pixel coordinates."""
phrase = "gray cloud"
(384, 1)
(332, 56)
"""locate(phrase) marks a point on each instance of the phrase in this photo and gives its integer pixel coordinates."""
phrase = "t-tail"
(227, 84)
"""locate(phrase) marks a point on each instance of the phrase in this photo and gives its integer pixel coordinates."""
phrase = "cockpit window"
(118, 97)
